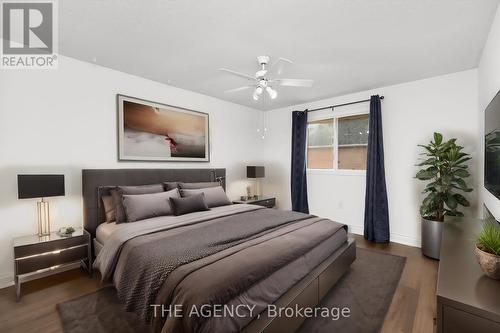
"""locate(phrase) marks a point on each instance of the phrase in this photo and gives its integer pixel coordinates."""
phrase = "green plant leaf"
(460, 182)
(426, 174)
(450, 201)
(462, 189)
(461, 200)
(430, 201)
(462, 173)
(438, 138)
(429, 161)
(461, 160)
(429, 149)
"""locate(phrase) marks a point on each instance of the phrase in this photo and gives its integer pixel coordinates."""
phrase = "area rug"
(366, 290)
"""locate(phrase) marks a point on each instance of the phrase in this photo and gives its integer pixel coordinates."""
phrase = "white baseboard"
(354, 229)
(6, 281)
(405, 240)
(396, 238)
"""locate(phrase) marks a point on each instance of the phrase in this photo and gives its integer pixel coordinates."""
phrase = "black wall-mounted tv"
(492, 147)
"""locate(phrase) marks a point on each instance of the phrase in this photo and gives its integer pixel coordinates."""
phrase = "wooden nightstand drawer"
(36, 262)
(269, 203)
(265, 202)
(27, 250)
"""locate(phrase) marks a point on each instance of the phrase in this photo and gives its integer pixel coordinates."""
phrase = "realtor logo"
(29, 35)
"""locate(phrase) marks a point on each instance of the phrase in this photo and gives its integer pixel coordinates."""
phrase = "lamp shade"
(39, 186)
(256, 172)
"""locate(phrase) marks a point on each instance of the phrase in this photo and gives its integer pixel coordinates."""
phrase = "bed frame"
(308, 292)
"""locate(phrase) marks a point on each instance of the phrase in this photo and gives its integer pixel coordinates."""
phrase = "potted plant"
(488, 249)
(443, 166)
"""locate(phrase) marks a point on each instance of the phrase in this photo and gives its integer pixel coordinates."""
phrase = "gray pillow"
(214, 196)
(119, 191)
(144, 206)
(109, 208)
(194, 203)
(198, 185)
(170, 185)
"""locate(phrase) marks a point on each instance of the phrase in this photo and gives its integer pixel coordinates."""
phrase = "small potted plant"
(444, 168)
(66, 231)
(488, 249)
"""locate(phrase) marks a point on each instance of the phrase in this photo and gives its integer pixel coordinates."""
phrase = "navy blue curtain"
(376, 208)
(299, 179)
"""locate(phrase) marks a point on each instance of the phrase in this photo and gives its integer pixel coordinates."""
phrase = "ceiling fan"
(265, 80)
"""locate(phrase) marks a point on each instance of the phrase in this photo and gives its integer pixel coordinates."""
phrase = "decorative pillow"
(214, 196)
(194, 203)
(143, 206)
(129, 190)
(170, 185)
(109, 208)
(198, 185)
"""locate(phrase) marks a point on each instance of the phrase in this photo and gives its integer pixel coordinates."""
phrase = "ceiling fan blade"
(278, 65)
(294, 82)
(238, 89)
(243, 75)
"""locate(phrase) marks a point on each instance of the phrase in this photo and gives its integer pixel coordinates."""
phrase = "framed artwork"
(149, 131)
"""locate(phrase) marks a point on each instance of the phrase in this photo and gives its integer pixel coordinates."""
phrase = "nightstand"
(266, 202)
(36, 257)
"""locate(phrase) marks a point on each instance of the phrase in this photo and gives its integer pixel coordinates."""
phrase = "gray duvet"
(208, 258)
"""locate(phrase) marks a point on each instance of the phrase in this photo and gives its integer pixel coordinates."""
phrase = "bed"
(240, 256)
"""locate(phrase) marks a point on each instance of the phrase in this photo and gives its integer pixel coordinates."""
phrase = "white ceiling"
(345, 46)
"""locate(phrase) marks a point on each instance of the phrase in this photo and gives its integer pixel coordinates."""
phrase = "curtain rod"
(339, 105)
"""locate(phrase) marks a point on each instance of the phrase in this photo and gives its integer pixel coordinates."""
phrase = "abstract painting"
(149, 131)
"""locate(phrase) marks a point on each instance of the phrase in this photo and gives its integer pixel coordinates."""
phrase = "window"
(338, 143)
(320, 144)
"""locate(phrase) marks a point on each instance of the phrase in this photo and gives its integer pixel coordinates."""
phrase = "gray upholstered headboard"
(95, 181)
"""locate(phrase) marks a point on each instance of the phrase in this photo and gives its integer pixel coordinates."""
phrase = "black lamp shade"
(39, 186)
(256, 172)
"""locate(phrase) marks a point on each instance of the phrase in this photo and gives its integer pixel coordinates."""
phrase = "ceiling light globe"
(272, 93)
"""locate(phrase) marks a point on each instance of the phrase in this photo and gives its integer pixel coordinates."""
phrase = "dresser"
(467, 300)
(36, 257)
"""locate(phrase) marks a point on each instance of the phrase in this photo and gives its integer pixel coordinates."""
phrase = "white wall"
(64, 120)
(411, 112)
(489, 85)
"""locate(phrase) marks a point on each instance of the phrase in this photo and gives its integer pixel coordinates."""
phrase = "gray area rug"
(366, 289)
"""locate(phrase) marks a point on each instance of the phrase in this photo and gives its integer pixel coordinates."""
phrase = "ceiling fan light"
(258, 90)
(255, 95)
(272, 93)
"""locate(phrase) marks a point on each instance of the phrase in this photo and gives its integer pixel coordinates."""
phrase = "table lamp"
(256, 172)
(41, 186)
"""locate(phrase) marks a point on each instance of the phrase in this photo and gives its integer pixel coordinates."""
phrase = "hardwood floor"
(412, 310)
(413, 306)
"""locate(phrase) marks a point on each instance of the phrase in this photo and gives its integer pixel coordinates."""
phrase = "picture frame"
(157, 132)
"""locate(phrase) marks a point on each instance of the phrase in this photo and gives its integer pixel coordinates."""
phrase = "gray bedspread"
(230, 250)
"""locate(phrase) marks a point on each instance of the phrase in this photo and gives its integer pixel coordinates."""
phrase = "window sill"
(343, 172)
